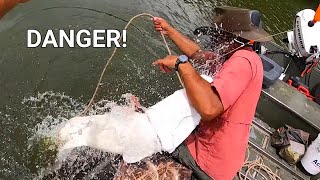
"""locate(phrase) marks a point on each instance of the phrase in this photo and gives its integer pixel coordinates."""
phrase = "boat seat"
(272, 71)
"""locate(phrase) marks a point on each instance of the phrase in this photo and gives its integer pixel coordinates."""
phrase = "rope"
(85, 111)
(259, 167)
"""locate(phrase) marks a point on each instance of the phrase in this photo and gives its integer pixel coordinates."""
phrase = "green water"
(69, 75)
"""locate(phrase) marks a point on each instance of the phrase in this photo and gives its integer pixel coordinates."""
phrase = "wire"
(309, 79)
(267, 37)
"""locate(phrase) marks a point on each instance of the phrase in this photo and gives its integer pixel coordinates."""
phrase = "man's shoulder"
(246, 62)
(247, 54)
(250, 56)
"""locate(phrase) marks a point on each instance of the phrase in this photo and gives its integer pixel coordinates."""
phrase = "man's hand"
(162, 26)
(187, 46)
(167, 64)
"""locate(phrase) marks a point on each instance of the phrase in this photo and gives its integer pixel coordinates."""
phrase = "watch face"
(183, 58)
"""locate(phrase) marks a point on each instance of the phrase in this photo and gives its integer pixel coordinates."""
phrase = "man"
(7, 5)
(226, 106)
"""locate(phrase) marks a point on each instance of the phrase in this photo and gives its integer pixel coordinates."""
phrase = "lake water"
(40, 87)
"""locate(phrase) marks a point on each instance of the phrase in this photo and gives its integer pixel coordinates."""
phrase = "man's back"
(219, 146)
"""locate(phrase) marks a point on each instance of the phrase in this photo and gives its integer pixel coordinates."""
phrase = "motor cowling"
(304, 40)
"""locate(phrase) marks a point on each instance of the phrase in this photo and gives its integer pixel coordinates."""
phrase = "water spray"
(85, 111)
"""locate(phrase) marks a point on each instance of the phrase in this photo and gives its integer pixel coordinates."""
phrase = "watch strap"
(178, 62)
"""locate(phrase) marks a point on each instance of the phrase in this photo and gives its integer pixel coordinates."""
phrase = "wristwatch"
(181, 60)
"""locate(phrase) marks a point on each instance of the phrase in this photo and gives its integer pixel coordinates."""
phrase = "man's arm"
(212, 100)
(200, 93)
(187, 46)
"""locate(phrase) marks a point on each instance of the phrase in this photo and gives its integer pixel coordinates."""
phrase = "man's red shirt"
(219, 146)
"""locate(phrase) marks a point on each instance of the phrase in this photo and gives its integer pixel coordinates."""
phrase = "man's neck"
(237, 46)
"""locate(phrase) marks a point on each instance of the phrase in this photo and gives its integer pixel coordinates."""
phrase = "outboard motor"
(304, 40)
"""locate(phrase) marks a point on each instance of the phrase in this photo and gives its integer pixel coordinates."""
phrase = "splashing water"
(118, 125)
(220, 43)
(54, 110)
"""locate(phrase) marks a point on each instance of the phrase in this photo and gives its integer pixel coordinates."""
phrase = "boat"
(282, 103)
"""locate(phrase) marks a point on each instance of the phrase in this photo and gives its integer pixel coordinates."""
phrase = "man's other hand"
(7, 5)
(162, 25)
(167, 64)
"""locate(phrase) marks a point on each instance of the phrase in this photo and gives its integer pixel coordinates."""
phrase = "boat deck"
(259, 146)
(296, 102)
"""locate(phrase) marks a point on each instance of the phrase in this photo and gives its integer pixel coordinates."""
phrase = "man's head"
(244, 23)
(232, 29)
